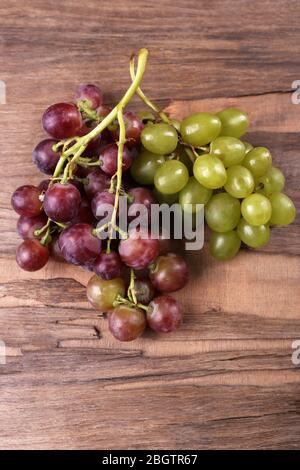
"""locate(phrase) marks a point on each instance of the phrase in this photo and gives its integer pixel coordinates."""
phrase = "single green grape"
(183, 157)
(253, 236)
(199, 129)
(159, 138)
(283, 209)
(193, 193)
(165, 198)
(256, 209)
(258, 161)
(273, 181)
(222, 212)
(210, 171)
(248, 146)
(228, 149)
(234, 121)
(240, 182)
(224, 246)
(171, 177)
(144, 166)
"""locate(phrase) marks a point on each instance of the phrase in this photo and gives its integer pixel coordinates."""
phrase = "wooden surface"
(226, 379)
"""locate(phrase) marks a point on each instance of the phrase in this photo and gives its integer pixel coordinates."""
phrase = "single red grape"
(90, 93)
(26, 226)
(78, 244)
(164, 314)
(108, 265)
(44, 156)
(100, 203)
(169, 273)
(138, 250)
(62, 120)
(85, 214)
(126, 323)
(109, 159)
(102, 294)
(54, 249)
(140, 196)
(144, 291)
(25, 201)
(134, 127)
(44, 185)
(62, 202)
(31, 255)
(97, 181)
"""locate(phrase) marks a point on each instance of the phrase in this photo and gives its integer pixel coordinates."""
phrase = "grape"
(126, 323)
(62, 202)
(102, 294)
(93, 147)
(90, 93)
(210, 172)
(199, 129)
(78, 244)
(44, 185)
(175, 123)
(138, 250)
(144, 167)
(273, 181)
(164, 314)
(140, 196)
(25, 201)
(134, 127)
(193, 193)
(184, 158)
(55, 251)
(99, 200)
(164, 243)
(165, 198)
(228, 149)
(97, 181)
(169, 273)
(222, 212)
(26, 226)
(251, 235)
(108, 265)
(31, 255)
(109, 159)
(256, 209)
(44, 157)
(283, 209)
(144, 291)
(258, 161)
(224, 246)
(85, 214)
(171, 177)
(159, 138)
(62, 120)
(234, 121)
(248, 146)
(240, 182)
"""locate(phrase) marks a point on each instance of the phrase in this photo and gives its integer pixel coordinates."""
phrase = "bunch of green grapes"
(203, 160)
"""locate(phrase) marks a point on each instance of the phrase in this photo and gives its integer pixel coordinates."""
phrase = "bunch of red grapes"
(200, 161)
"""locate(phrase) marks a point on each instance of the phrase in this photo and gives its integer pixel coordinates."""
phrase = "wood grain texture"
(226, 379)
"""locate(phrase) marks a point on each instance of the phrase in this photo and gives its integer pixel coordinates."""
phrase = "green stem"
(122, 301)
(131, 289)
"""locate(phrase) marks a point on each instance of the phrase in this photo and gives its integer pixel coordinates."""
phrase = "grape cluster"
(94, 154)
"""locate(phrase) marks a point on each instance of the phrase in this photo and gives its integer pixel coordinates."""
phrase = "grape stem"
(131, 289)
(119, 300)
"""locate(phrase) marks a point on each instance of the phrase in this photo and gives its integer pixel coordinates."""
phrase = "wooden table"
(226, 379)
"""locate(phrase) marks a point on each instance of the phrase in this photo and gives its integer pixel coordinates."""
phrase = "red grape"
(138, 250)
(108, 265)
(44, 157)
(134, 127)
(170, 273)
(62, 120)
(144, 291)
(44, 185)
(102, 294)
(31, 255)
(97, 181)
(26, 226)
(55, 251)
(25, 201)
(84, 214)
(90, 93)
(94, 146)
(164, 243)
(164, 314)
(98, 202)
(140, 196)
(126, 323)
(62, 202)
(109, 159)
(78, 244)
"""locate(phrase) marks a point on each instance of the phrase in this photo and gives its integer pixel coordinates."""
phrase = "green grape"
(248, 146)
(200, 129)
(193, 193)
(171, 177)
(256, 209)
(159, 138)
(224, 246)
(258, 161)
(228, 149)
(234, 121)
(273, 181)
(240, 182)
(222, 212)
(165, 198)
(175, 123)
(283, 209)
(253, 236)
(146, 116)
(184, 158)
(210, 171)
(144, 167)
